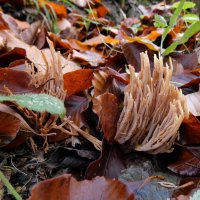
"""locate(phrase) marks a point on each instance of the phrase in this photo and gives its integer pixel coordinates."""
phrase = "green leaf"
(172, 21)
(160, 21)
(187, 5)
(191, 18)
(38, 103)
(194, 28)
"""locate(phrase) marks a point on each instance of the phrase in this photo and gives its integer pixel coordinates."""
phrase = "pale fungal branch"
(153, 109)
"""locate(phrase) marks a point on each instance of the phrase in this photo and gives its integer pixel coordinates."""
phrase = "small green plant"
(38, 103)
(192, 29)
(9, 186)
(48, 15)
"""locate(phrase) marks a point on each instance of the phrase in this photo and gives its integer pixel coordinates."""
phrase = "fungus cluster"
(153, 109)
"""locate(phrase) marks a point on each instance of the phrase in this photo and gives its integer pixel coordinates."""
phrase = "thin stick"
(9, 186)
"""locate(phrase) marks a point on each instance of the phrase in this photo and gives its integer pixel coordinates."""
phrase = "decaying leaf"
(66, 187)
(193, 101)
(153, 109)
(77, 81)
(106, 107)
(9, 128)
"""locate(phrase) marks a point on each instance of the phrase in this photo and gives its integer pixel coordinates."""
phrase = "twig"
(9, 186)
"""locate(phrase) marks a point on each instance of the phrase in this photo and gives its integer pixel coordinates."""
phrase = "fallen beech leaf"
(18, 82)
(154, 35)
(132, 54)
(150, 45)
(196, 71)
(68, 44)
(71, 158)
(64, 24)
(81, 3)
(186, 164)
(12, 55)
(9, 128)
(77, 81)
(106, 107)
(99, 80)
(34, 54)
(91, 57)
(8, 22)
(100, 39)
(29, 34)
(59, 9)
(102, 11)
(66, 187)
(75, 105)
(193, 103)
(190, 131)
(109, 164)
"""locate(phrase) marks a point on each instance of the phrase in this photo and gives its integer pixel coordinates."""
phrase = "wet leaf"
(66, 187)
(38, 103)
(77, 81)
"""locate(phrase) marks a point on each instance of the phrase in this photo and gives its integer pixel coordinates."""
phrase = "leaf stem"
(9, 186)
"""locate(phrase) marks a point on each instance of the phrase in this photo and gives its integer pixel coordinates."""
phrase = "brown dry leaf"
(91, 57)
(64, 24)
(132, 54)
(187, 164)
(29, 35)
(9, 128)
(190, 131)
(150, 45)
(66, 187)
(99, 80)
(59, 9)
(110, 163)
(34, 54)
(77, 81)
(193, 103)
(12, 55)
(68, 44)
(81, 3)
(106, 107)
(75, 105)
(100, 39)
(18, 82)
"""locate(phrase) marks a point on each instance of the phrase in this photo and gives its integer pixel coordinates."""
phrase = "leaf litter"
(115, 95)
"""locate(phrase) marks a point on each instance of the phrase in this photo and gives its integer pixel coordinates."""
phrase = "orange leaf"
(102, 11)
(77, 81)
(59, 9)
